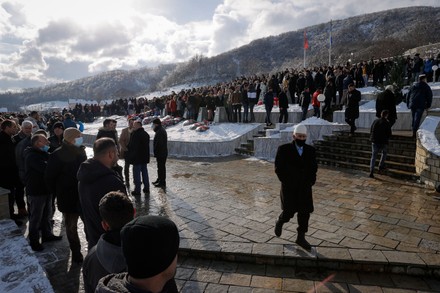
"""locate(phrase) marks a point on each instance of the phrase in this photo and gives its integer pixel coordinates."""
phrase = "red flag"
(306, 42)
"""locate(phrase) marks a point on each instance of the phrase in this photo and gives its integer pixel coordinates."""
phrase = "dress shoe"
(278, 228)
(52, 238)
(37, 246)
(160, 185)
(301, 241)
(371, 175)
(155, 182)
(135, 193)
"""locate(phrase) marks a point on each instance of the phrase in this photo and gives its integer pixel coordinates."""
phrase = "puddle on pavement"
(186, 175)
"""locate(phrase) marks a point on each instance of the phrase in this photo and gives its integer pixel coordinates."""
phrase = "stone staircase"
(247, 148)
(342, 150)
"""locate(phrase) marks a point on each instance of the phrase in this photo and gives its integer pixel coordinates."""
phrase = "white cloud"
(42, 40)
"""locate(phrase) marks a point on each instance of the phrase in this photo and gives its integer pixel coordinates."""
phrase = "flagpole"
(330, 48)
(304, 57)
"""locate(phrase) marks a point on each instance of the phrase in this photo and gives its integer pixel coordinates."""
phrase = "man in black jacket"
(296, 167)
(9, 178)
(419, 99)
(39, 197)
(95, 179)
(138, 155)
(60, 177)
(106, 257)
(352, 110)
(160, 149)
(380, 135)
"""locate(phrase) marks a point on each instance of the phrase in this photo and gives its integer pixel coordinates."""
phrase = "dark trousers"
(161, 170)
(268, 113)
(251, 109)
(71, 222)
(140, 170)
(351, 122)
(416, 118)
(40, 214)
(284, 116)
(302, 217)
(236, 112)
(16, 196)
(127, 173)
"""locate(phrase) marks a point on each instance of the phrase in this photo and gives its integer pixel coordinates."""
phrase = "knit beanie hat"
(149, 245)
(70, 134)
(58, 124)
(300, 129)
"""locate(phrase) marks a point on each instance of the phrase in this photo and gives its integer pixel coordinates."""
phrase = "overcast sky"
(48, 41)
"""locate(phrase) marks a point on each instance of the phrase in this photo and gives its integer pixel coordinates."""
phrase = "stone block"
(220, 115)
(203, 114)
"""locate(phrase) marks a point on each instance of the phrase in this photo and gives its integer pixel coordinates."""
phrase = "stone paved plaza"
(226, 209)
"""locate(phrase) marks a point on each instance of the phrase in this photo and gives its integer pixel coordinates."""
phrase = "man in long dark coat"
(60, 175)
(352, 110)
(296, 167)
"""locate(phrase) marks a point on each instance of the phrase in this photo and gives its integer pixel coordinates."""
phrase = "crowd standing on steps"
(94, 189)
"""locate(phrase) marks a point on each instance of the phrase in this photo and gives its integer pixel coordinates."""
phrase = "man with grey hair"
(39, 196)
(60, 176)
(23, 135)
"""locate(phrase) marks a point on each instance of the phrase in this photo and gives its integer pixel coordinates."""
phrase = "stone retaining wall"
(427, 158)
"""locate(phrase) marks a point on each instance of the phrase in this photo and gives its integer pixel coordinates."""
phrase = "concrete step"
(326, 150)
(395, 173)
(393, 148)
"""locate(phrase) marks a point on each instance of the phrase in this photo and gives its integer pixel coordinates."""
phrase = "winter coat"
(380, 131)
(160, 142)
(111, 133)
(283, 103)
(124, 139)
(35, 166)
(94, 181)
(9, 177)
(305, 99)
(19, 157)
(104, 258)
(55, 142)
(353, 99)
(268, 100)
(68, 122)
(297, 175)
(138, 147)
(60, 176)
(118, 283)
(419, 96)
(386, 101)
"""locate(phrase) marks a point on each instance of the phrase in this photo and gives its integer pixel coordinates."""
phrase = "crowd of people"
(48, 167)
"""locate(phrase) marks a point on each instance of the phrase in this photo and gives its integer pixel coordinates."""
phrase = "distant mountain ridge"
(381, 34)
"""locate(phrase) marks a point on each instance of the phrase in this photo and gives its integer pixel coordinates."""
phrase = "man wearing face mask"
(96, 178)
(296, 167)
(39, 197)
(60, 177)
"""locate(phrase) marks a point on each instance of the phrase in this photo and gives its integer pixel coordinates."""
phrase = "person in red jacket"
(315, 103)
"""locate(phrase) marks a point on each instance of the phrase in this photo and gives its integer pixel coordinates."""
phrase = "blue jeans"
(40, 214)
(268, 113)
(375, 149)
(138, 170)
(416, 118)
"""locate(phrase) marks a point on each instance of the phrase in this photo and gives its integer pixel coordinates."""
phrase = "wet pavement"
(226, 209)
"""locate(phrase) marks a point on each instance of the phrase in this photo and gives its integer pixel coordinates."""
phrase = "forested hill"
(382, 34)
